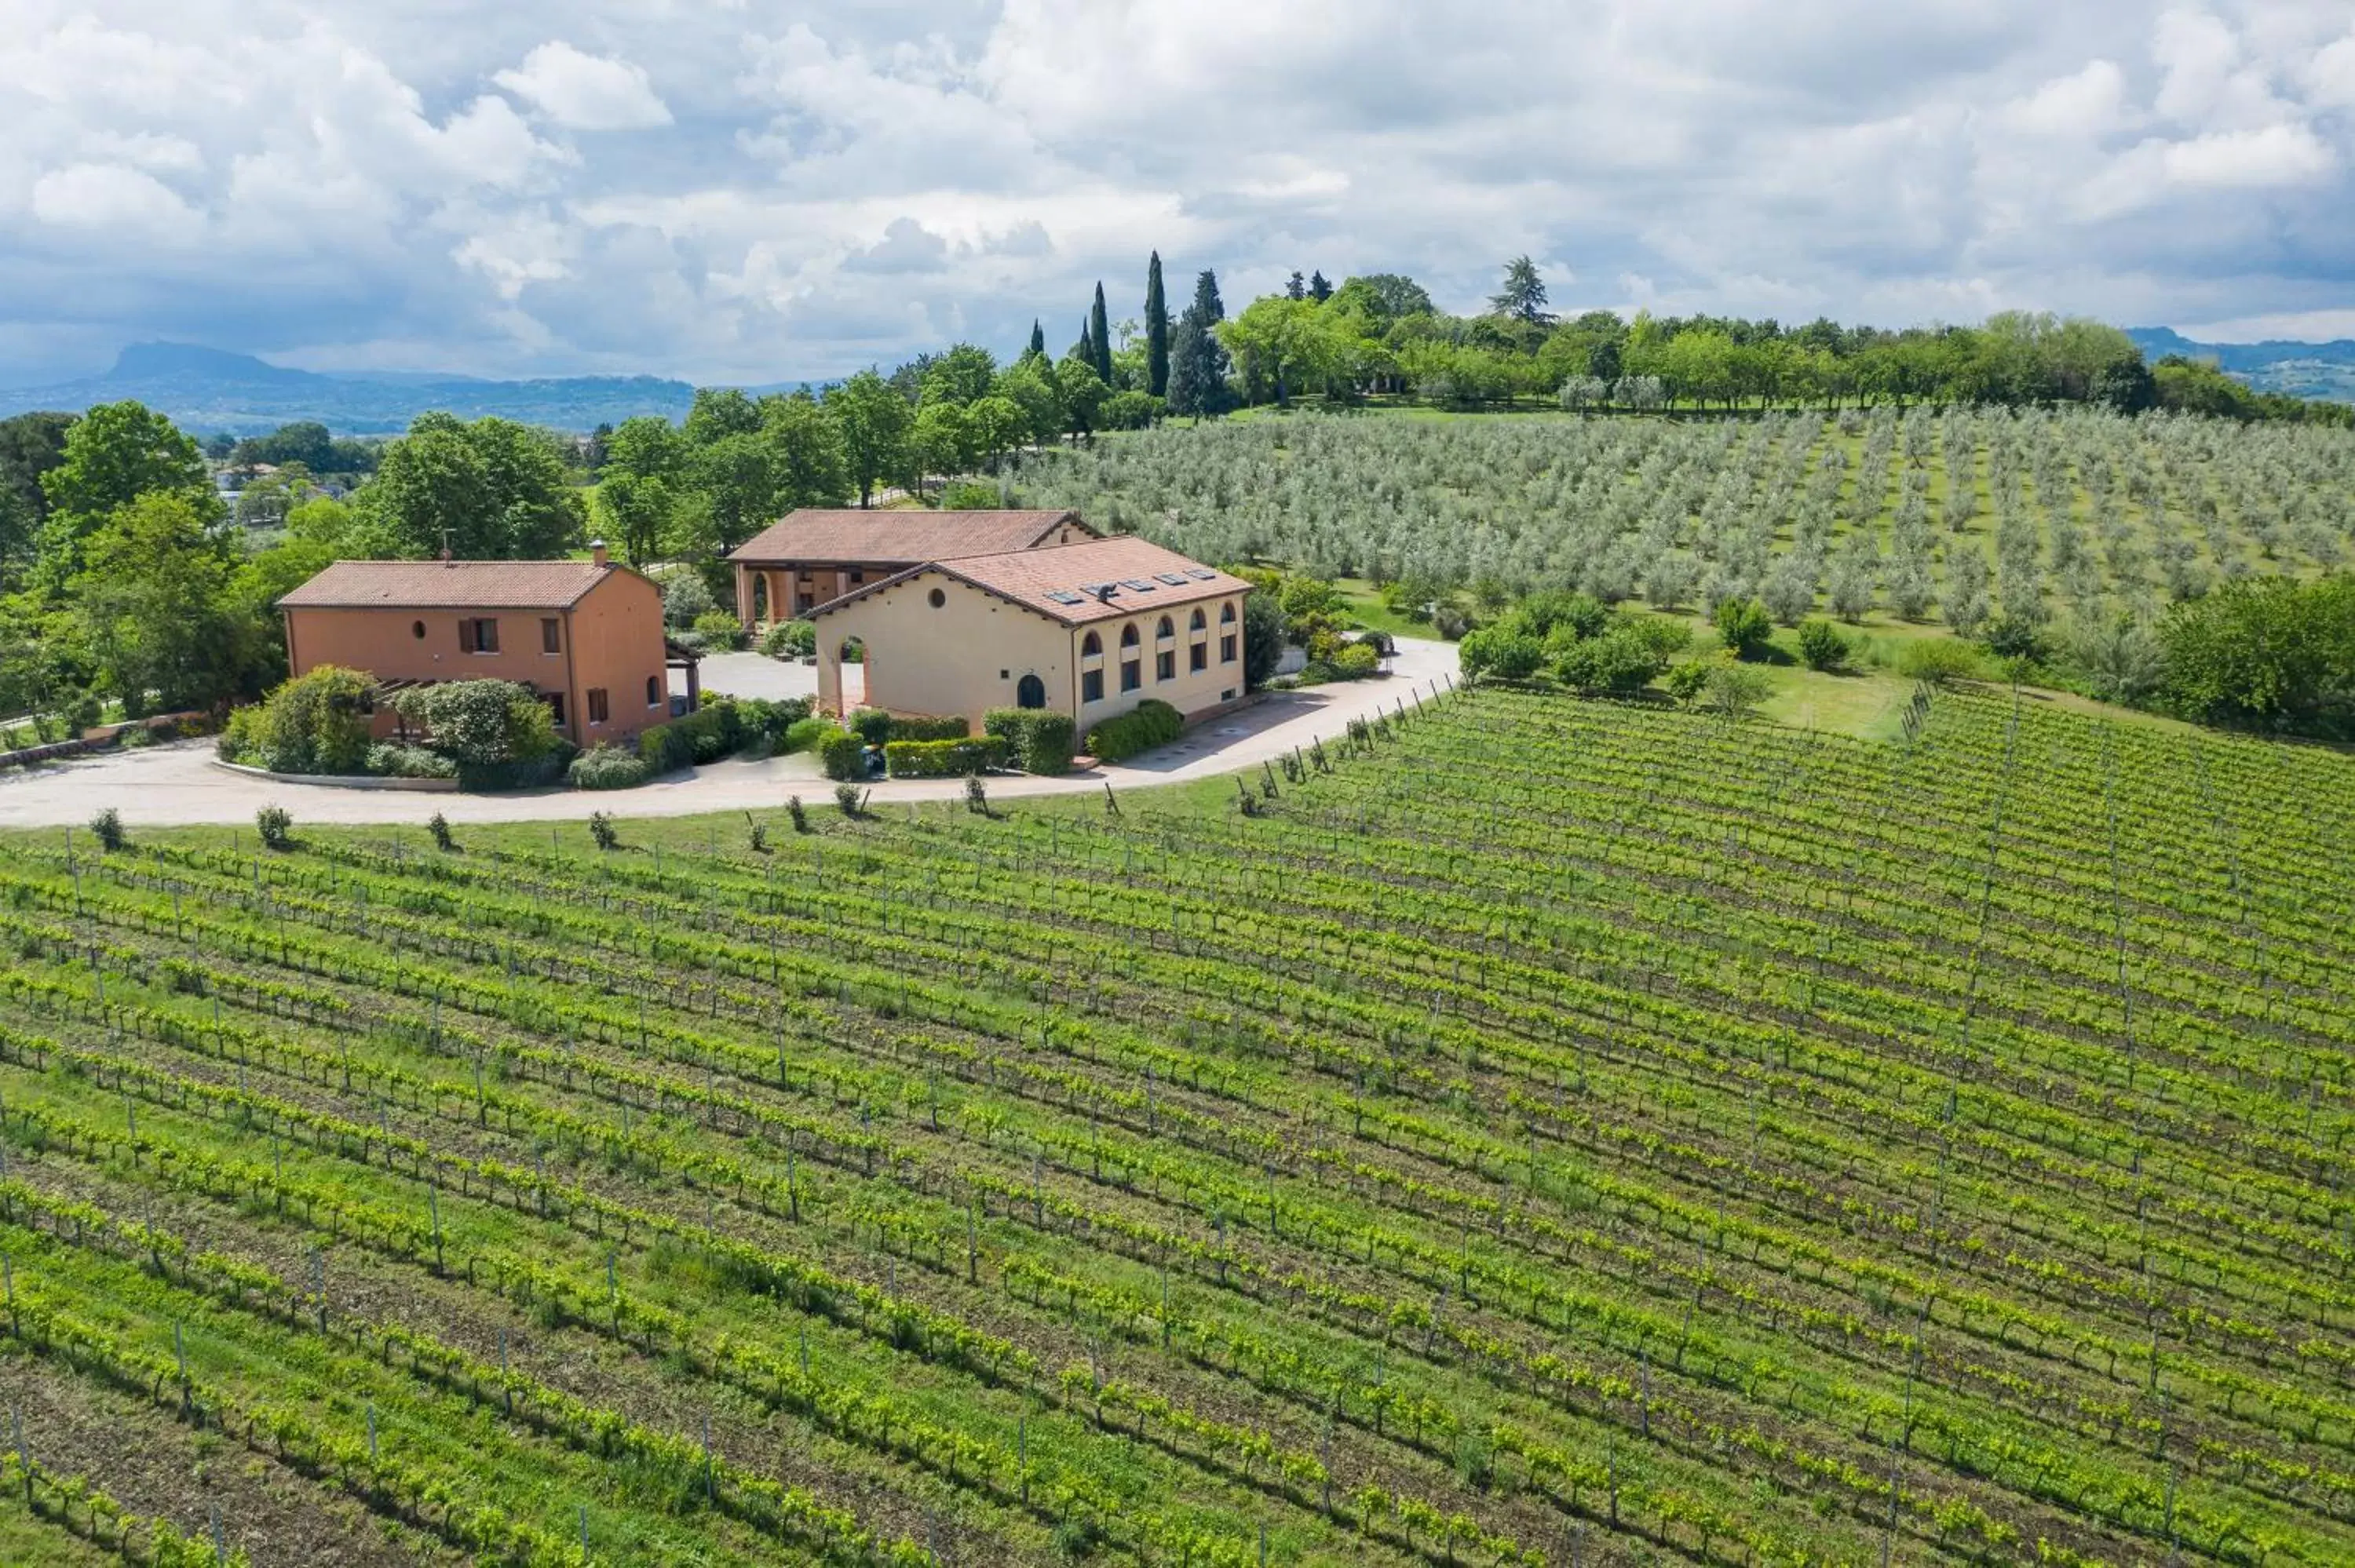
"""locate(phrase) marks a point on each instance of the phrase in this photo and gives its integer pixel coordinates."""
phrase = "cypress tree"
(1198, 360)
(1206, 297)
(1100, 338)
(1156, 331)
(1086, 347)
(1038, 338)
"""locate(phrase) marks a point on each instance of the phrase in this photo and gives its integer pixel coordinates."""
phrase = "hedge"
(843, 755)
(719, 729)
(609, 768)
(1150, 724)
(942, 758)
(1040, 742)
(950, 727)
(806, 734)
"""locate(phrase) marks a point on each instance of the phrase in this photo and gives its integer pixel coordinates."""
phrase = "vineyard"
(1956, 517)
(1533, 1132)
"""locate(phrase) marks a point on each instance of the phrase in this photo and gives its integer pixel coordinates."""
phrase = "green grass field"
(1540, 1132)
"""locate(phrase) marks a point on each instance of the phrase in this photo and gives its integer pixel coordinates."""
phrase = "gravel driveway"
(177, 784)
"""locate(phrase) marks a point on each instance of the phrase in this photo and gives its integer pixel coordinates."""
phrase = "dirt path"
(179, 785)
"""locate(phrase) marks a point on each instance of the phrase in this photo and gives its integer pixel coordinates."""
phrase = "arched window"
(1128, 635)
(1167, 629)
(1198, 623)
(1225, 613)
(1093, 644)
(1030, 692)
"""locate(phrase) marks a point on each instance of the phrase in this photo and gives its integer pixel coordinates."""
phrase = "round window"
(937, 598)
(416, 629)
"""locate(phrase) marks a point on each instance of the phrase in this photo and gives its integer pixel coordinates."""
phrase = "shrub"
(1734, 689)
(276, 826)
(107, 828)
(798, 813)
(1450, 623)
(707, 734)
(491, 730)
(392, 761)
(316, 723)
(719, 628)
(1356, 661)
(1688, 679)
(846, 797)
(608, 767)
(971, 495)
(803, 735)
(790, 640)
(942, 758)
(954, 726)
(439, 826)
(1506, 650)
(1150, 724)
(976, 796)
(1938, 660)
(872, 726)
(1823, 645)
(843, 755)
(1622, 660)
(684, 599)
(1743, 626)
(240, 739)
(1037, 740)
(601, 830)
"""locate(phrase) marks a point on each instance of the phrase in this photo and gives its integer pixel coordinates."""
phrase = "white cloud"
(2277, 155)
(110, 197)
(585, 92)
(2084, 103)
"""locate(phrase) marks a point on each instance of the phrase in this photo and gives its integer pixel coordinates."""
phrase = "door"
(1030, 691)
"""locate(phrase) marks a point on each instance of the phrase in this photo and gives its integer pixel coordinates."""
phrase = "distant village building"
(1090, 628)
(816, 554)
(586, 636)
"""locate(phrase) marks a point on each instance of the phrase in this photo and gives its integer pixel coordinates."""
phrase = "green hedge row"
(942, 758)
(722, 727)
(843, 755)
(1038, 741)
(876, 727)
(1149, 723)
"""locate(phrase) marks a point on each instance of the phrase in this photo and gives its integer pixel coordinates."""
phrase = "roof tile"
(448, 585)
(896, 538)
(1032, 578)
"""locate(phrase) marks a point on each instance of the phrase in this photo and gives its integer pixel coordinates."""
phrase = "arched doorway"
(1030, 691)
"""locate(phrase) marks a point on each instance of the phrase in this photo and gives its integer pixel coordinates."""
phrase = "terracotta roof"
(897, 538)
(449, 585)
(1136, 570)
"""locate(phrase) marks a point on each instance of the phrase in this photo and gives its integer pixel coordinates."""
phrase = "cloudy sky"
(757, 192)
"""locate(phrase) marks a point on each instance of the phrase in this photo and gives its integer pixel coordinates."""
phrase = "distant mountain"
(2299, 369)
(206, 389)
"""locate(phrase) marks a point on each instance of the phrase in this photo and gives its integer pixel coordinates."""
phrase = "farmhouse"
(816, 554)
(587, 636)
(1090, 628)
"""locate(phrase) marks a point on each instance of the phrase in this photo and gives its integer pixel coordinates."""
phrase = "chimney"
(597, 552)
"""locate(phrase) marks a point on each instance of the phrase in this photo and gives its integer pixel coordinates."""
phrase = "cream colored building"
(1090, 628)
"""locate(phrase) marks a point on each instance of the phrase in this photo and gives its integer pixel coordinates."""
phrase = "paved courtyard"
(177, 784)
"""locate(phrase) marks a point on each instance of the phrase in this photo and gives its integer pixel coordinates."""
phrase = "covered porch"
(769, 592)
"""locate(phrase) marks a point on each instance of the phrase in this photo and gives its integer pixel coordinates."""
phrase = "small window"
(416, 629)
(555, 701)
(936, 598)
(1091, 645)
(859, 577)
(1132, 675)
(478, 635)
(551, 640)
(1227, 648)
(1167, 629)
(654, 691)
(1197, 657)
(1227, 613)
(1128, 635)
(1164, 665)
(1091, 686)
(1199, 622)
(598, 711)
